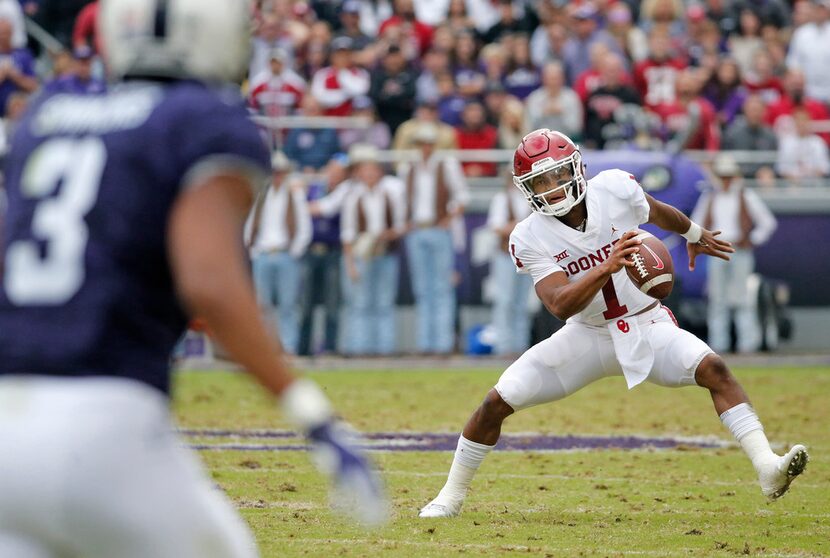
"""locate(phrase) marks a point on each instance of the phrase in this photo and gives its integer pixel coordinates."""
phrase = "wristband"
(305, 405)
(694, 233)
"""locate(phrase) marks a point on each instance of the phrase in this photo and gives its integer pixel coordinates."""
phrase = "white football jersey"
(541, 245)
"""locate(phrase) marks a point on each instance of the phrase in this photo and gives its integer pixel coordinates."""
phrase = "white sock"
(742, 421)
(468, 457)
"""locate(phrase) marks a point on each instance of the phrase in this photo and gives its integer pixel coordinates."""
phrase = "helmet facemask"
(553, 187)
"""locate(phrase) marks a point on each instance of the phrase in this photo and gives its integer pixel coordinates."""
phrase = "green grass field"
(689, 502)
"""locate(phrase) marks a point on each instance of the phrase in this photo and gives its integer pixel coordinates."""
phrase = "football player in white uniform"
(575, 246)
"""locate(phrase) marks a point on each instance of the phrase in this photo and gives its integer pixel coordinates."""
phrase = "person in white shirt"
(278, 232)
(746, 222)
(373, 219)
(435, 194)
(510, 296)
(810, 51)
(802, 154)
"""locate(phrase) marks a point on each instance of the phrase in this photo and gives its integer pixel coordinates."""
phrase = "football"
(653, 269)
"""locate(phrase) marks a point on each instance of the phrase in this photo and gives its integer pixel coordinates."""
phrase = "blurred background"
(429, 99)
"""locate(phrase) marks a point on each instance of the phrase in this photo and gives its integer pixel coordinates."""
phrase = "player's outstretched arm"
(699, 240)
(210, 270)
(564, 299)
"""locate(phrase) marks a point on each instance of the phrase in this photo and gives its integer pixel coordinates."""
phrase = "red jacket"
(785, 107)
(676, 118)
(485, 138)
(655, 81)
(421, 31)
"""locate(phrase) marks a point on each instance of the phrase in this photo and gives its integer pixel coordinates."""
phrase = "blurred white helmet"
(207, 40)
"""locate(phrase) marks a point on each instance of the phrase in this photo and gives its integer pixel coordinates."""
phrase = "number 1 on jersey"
(615, 309)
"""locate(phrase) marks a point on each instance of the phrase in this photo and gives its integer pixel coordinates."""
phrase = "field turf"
(681, 502)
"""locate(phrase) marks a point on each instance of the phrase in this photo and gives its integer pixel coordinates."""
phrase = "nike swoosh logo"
(660, 264)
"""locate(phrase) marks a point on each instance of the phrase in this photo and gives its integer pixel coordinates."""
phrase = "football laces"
(640, 265)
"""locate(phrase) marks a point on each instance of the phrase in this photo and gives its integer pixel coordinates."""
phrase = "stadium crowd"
(748, 75)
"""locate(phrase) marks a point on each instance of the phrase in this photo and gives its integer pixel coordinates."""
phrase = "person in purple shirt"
(124, 220)
(725, 92)
(81, 79)
(17, 66)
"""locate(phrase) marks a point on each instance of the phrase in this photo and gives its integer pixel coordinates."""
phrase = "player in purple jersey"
(125, 215)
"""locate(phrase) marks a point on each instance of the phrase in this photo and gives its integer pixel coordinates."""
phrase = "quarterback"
(576, 245)
(125, 216)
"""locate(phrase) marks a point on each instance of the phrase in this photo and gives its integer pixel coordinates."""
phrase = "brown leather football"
(653, 269)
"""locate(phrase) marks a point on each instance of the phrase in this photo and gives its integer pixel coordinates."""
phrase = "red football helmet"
(546, 158)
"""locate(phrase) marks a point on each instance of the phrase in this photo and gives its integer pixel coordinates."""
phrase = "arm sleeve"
(456, 181)
(332, 203)
(222, 140)
(625, 187)
(348, 219)
(302, 238)
(327, 97)
(530, 261)
(497, 213)
(396, 189)
(762, 218)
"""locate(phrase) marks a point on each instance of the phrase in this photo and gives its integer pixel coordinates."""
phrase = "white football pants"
(91, 467)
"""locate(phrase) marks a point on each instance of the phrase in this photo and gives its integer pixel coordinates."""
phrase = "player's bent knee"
(713, 373)
(494, 408)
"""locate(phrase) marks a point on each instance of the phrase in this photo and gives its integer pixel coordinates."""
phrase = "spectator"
(336, 85)
(548, 43)
(277, 90)
(17, 71)
(426, 113)
(762, 80)
(810, 51)
(10, 10)
(747, 41)
(271, 34)
(750, 133)
(706, 47)
(606, 99)
(16, 105)
(457, 18)
(311, 148)
(510, 289)
(655, 78)
(374, 219)
(80, 79)
(467, 73)
(522, 77)
(475, 133)
(376, 134)
(663, 14)
(350, 24)
(745, 222)
(590, 79)
(414, 31)
(435, 61)
(725, 92)
(507, 23)
(373, 14)
(436, 193)
(85, 32)
(554, 105)
(492, 60)
(779, 114)
(393, 89)
(773, 13)
(278, 233)
(802, 154)
(450, 103)
(722, 13)
(321, 264)
(631, 40)
(511, 124)
(576, 51)
(690, 122)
